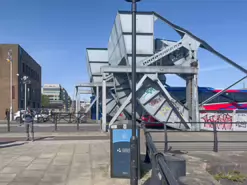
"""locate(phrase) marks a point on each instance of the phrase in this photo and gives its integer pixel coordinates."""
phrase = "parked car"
(151, 122)
(39, 117)
(17, 115)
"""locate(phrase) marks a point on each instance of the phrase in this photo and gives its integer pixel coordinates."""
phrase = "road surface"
(50, 127)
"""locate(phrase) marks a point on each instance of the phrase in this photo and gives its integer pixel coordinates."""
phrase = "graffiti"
(155, 101)
(233, 121)
(241, 121)
(149, 91)
(224, 121)
(114, 111)
(163, 111)
(241, 124)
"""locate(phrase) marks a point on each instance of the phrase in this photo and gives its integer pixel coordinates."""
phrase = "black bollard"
(166, 138)
(70, 117)
(55, 122)
(8, 121)
(20, 117)
(215, 138)
(78, 124)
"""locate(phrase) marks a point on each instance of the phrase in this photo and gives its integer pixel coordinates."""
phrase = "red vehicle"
(229, 100)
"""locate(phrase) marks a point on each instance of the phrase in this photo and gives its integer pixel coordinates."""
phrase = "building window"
(23, 68)
(22, 104)
(27, 70)
(34, 94)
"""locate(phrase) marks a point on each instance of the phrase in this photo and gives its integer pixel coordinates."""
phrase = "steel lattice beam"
(151, 69)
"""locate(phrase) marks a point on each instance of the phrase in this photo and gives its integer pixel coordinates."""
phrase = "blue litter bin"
(121, 133)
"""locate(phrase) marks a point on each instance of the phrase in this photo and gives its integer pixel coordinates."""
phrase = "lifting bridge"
(110, 72)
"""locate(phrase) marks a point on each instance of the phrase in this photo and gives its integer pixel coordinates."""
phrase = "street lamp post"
(10, 60)
(133, 141)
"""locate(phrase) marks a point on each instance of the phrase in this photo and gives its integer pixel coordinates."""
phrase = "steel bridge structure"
(110, 72)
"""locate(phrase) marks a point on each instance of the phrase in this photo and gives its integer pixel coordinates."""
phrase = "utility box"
(121, 133)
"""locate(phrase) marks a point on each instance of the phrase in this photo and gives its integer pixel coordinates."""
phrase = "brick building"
(23, 65)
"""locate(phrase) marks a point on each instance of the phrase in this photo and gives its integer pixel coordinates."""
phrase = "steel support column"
(192, 100)
(189, 94)
(97, 104)
(195, 103)
(104, 105)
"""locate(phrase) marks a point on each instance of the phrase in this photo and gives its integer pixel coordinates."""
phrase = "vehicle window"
(226, 97)
(240, 97)
(208, 94)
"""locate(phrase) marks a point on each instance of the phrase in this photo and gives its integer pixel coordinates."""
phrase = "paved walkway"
(56, 163)
(49, 136)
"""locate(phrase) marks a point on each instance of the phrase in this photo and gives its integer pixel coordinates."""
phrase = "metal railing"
(76, 119)
(164, 170)
(215, 128)
(54, 118)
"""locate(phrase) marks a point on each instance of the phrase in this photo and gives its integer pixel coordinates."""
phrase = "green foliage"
(234, 176)
(45, 101)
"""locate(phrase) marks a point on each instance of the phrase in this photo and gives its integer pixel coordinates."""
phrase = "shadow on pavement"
(42, 138)
(11, 145)
(6, 142)
(176, 151)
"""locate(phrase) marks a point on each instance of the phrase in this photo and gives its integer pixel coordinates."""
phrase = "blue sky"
(56, 33)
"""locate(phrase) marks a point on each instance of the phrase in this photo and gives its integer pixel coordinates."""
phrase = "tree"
(45, 101)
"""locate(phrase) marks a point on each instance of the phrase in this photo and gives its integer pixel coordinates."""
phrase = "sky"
(56, 34)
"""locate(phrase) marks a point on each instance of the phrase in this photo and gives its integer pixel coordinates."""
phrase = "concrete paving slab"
(51, 183)
(29, 176)
(11, 170)
(57, 163)
(36, 166)
(79, 181)
(54, 178)
(7, 177)
(19, 164)
(21, 183)
(60, 169)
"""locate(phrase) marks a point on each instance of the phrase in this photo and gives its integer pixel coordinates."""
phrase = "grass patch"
(234, 176)
(145, 175)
